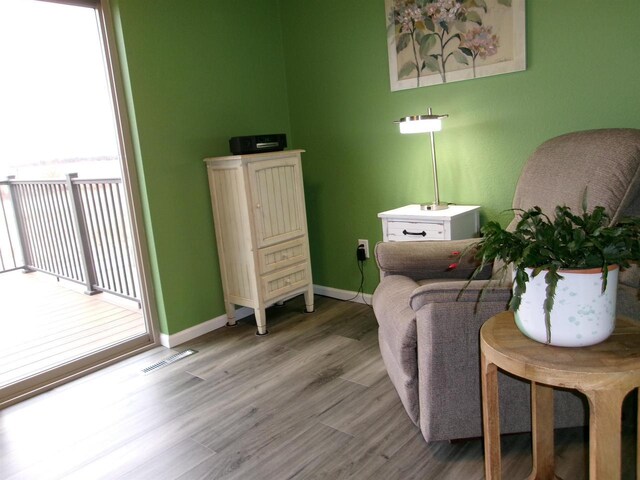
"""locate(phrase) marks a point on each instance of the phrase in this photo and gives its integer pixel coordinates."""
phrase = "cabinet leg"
(230, 308)
(261, 321)
(308, 300)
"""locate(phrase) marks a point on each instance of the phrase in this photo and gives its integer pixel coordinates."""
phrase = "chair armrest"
(427, 260)
(478, 291)
(631, 276)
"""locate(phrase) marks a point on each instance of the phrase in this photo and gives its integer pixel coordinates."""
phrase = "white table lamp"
(423, 124)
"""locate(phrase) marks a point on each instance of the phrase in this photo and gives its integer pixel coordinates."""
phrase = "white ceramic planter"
(582, 314)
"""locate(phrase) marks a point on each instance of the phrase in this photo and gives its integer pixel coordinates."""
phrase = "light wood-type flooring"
(311, 400)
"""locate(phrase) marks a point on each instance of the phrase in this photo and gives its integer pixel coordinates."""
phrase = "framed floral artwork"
(440, 41)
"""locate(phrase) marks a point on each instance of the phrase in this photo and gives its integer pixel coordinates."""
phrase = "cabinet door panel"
(276, 193)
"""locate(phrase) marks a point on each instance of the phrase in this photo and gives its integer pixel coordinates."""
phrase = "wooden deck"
(44, 323)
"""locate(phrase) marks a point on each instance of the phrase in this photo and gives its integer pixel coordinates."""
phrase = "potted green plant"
(551, 258)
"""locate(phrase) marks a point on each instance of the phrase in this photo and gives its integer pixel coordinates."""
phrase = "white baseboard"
(220, 321)
(342, 294)
(183, 336)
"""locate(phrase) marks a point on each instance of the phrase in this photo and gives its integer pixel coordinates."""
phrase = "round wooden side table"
(605, 373)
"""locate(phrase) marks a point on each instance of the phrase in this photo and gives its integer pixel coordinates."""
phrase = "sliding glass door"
(74, 293)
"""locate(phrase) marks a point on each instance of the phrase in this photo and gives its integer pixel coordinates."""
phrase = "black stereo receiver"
(258, 143)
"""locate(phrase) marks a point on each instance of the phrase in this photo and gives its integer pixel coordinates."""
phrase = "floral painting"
(440, 41)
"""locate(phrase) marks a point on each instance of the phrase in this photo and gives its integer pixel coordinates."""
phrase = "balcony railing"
(73, 229)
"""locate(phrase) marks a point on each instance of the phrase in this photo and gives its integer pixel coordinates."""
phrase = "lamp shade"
(420, 124)
(426, 124)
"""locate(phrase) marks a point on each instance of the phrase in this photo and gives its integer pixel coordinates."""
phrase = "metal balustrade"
(73, 229)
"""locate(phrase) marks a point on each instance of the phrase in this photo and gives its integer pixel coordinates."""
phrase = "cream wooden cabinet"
(261, 230)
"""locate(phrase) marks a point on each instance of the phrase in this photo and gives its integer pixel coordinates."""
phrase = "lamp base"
(434, 206)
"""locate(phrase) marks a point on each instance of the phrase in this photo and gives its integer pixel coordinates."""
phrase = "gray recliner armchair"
(429, 336)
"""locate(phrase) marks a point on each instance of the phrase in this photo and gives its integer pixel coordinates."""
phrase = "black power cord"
(361, 257)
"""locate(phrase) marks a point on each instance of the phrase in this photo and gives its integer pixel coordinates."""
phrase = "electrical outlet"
(366, 247)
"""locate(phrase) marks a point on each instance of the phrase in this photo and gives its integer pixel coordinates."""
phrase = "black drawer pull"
(421, 234)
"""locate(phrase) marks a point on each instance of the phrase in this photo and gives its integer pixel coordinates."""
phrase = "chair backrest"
(604, 162)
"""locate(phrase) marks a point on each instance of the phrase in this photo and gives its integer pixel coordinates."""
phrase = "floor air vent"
(167, 361)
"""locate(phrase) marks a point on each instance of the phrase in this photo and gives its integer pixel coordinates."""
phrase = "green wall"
(201, 71)
(583, 72)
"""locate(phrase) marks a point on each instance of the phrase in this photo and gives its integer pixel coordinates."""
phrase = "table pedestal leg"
(605, 411)
(542, 433)
(490, 419)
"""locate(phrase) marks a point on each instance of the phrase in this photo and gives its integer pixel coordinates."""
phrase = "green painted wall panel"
(204, 70)
(582, 73)
(199, 72)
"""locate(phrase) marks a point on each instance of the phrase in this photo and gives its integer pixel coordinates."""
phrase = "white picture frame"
(431, 42)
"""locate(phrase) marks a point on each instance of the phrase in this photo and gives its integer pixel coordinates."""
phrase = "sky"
(54, 97)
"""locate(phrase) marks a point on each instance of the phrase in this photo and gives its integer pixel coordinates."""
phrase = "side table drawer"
(284, 281)
(415, 231)
(281, 255)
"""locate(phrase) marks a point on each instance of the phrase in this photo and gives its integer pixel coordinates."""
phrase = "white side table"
(411, 224)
